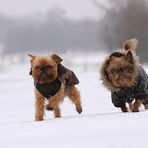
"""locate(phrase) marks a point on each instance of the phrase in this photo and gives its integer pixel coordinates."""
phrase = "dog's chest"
(48, 90)
(128, 93)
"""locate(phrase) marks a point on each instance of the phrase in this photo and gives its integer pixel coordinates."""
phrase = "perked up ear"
(56, 58)
(130, 45)
(32, 56)
(129, 57)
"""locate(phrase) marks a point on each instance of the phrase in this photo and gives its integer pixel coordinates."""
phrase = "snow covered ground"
(101, 125)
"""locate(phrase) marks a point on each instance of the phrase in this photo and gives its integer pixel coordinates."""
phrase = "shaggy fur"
(111, 67)
(44, 69)
(120, 70)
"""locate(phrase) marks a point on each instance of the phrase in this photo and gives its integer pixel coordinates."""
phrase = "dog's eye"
(127, 69)
(49, 66)
(37, 67)
(114, 70)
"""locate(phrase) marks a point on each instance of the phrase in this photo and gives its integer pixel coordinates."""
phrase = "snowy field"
(101, 125)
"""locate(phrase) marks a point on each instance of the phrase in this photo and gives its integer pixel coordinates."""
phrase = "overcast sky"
(74, 8)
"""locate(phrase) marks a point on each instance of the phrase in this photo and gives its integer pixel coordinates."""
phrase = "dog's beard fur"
(120, 72)
(45, 77)
(44, 69)
(119, 69)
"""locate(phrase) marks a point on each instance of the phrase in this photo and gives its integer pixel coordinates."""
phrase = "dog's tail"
(130, 45)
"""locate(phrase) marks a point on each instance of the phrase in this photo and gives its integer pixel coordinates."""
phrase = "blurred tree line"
(53, 31)
(122, 20)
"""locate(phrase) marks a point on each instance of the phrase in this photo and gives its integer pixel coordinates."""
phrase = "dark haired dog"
(54, 82)
(125, 78)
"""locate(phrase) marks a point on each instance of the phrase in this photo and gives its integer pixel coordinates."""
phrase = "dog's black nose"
(43, 68)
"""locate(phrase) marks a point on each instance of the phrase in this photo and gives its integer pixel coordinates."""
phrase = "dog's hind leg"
(145, 106)
(74, 96)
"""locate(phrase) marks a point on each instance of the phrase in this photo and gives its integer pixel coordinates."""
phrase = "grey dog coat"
(139, 90)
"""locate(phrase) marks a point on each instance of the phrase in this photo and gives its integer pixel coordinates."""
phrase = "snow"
(100, 125)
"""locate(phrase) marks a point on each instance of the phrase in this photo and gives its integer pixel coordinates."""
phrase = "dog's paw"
(135, 110)
(146, 106)
(79, 110)
(124, 109)
(49, 108)
(38, 119)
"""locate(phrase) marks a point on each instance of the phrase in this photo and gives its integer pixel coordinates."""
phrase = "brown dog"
(54, 82)
(125, 78)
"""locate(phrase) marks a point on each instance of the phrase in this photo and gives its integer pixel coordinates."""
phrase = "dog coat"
(65, 76)
(48, 89)
(139, 90)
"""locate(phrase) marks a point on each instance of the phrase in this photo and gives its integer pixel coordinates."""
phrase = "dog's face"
(44, 68)
(120, 68)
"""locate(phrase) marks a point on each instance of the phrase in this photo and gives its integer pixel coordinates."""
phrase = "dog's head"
(119, 69)
(44, 68)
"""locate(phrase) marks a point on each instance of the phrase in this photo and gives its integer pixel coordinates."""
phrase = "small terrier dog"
(125, 78)
(53, 82)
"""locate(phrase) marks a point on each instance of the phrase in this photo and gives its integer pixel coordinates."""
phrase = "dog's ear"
(56, 58)
(31, 61)
(129, 57)
(32, 56)
(130, 45)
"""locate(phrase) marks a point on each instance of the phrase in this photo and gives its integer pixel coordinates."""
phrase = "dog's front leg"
(130, 105)
(124, 108)
(57, 112)
(39, 106)
(136, 105)
(54, 102)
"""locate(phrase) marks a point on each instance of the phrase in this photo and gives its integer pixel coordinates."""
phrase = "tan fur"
(136, 105)
(130, 106)
(39, 106)
(130, 45)
(146, 106)
(74, 96)
(72, 92)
